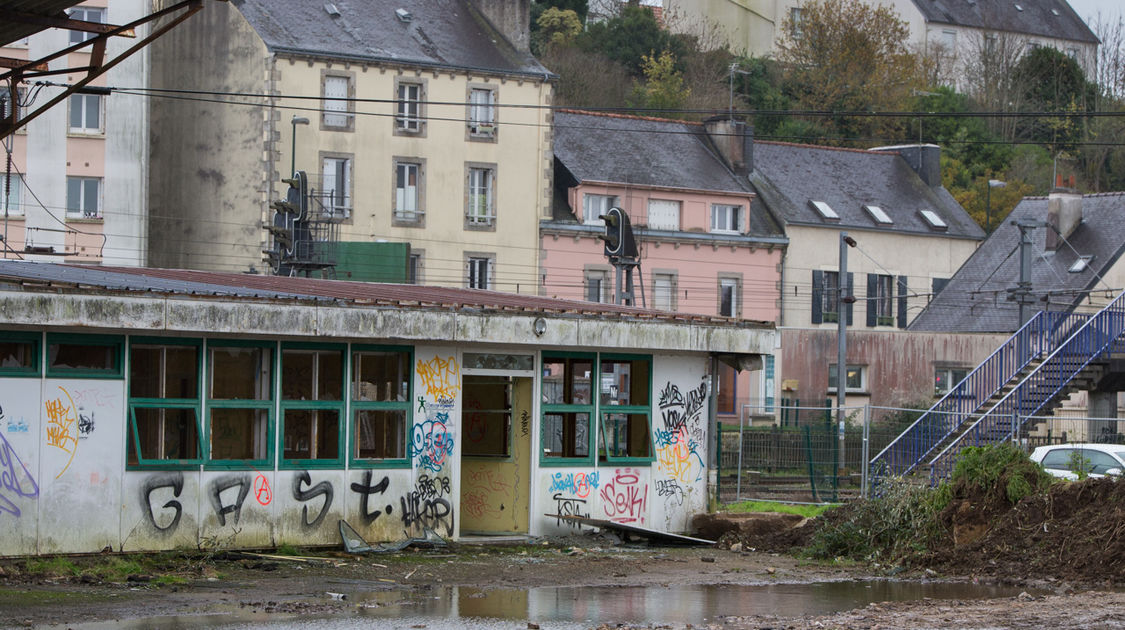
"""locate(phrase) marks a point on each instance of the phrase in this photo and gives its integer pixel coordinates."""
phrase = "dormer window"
(1080, 265)
(824, 210)
(878, 215)
(935, 222)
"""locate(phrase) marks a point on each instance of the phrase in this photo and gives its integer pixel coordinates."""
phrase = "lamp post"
(297, 120)
(843, 299)
(992, 183)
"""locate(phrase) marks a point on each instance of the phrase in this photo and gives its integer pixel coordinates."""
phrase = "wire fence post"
(865, 457)
(738, 474)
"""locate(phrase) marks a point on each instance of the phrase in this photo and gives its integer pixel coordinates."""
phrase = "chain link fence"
(804, 457)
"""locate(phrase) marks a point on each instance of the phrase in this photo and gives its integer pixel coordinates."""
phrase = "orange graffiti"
(441, 378)
(62, 426)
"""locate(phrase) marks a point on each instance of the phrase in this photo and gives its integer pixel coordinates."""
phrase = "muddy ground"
(1066, 550)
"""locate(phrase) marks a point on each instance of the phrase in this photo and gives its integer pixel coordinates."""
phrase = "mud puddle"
(573, 607)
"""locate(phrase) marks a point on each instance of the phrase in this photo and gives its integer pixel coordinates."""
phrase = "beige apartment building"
(420, 123)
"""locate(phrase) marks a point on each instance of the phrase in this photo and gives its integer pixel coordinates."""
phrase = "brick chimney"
(1064, 212)
(735, 141)
(925, 159)
(512, 18)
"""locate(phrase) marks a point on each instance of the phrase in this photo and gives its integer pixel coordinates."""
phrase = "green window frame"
(63, 347)
(164, 405)
(625, 409)
(312, 407)
(566, 436)
(20, 353)
(381, 409)
(240, 422)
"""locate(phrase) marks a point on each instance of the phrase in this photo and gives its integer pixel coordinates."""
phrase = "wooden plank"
(652, 535)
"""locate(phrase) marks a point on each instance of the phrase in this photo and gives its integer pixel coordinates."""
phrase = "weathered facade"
(174, 408)
(426, 123)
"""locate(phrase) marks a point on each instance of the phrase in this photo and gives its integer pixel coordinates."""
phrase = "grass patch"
(117, 569)
(169, 580)
(288, 550)
(52, 567)
(807, 511)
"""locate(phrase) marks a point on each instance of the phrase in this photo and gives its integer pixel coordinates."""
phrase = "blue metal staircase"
(1052, 355)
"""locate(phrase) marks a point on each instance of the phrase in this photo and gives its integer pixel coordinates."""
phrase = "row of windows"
(665, 214)
(192, 402)
(855, 379)
(83, 196)
(599, 288)
(409, 201)
(410, 99)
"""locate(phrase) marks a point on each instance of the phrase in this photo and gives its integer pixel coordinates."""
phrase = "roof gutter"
(546, 75)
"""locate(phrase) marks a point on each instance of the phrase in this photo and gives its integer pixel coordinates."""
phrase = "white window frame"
(408, 212)
(604, 289)
(658, 278)
(849, 388)
(733, 286)
(482, 112)
(85, 14)
(476, 267)
(83, 210)
(594, 205)
(415, 263)
(948, 372)
(884, 300)
(726, 218)
(480, 210)
(11, 203)
(795, 18)
(331, 180)
(79, 103)
(408, 107)
(337, 108)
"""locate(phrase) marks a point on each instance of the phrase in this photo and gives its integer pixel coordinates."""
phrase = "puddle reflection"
(578, 607)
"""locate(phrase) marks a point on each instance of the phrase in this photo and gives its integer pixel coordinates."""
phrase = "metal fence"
(807, 461)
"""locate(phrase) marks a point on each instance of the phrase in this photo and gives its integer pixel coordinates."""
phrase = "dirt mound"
(763, 531)
(1074, 531)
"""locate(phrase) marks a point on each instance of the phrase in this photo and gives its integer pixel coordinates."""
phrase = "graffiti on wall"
(428, 506)
(441, 378)
(678, 440)
(71, 418)
(431, 442)
(575, 483)
(625, 496)
(235, 488)
(366, 491)
(480, 492)
(322, 489)
(163, 485)
(16, 480)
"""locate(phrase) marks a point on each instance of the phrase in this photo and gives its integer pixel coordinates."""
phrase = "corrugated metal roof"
(233, 285)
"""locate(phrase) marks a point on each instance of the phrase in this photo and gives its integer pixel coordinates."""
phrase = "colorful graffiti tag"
(625, 497)
(431, 443)
(15, 479)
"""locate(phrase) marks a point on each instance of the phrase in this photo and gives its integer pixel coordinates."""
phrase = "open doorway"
(495, 453)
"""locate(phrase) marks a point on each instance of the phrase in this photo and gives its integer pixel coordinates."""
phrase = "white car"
(1100, 459)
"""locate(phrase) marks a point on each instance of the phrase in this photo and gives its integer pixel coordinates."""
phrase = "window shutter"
(902, 295)
(328, 177)
(850, 291)
(817, 296)
(872, 296)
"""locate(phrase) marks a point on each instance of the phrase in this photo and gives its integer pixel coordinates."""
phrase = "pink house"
(707, 246)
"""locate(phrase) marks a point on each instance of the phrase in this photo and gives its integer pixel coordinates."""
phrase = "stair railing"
(1034, 339)
(1098, 335)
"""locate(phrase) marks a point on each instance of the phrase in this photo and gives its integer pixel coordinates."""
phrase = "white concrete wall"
(64, 487)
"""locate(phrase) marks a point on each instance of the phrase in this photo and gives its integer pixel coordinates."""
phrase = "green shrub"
(996, 466)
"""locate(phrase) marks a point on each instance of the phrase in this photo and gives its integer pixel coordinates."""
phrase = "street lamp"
(992, 183)
(297, 120)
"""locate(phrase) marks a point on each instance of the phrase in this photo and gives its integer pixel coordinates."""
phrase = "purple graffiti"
(15, 479)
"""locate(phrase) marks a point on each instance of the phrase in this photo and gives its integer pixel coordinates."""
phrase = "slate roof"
(441, 33)
(975, 300)
(789, 176)
(620, 149)
(15, 275)
(1037, 17)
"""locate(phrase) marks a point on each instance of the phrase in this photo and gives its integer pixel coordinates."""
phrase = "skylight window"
(936, 222)
(1019, 8)
(877, 213)
(825, 210)
(1055, 12)
(1080, 265)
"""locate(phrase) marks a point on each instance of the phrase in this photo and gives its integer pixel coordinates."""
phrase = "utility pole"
(1022, 293)
(843, 299)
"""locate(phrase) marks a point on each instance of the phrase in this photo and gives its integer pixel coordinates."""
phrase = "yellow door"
(495, 454)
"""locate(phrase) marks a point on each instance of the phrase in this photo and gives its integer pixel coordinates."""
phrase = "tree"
(1052, 81)
(849, 56)
(965, 139)
(628, 38)
(663, 87)
(557, 27)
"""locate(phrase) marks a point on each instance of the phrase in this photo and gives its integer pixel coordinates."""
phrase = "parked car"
(1099, 459)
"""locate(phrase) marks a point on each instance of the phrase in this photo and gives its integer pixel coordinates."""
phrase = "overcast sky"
(1090, 8)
